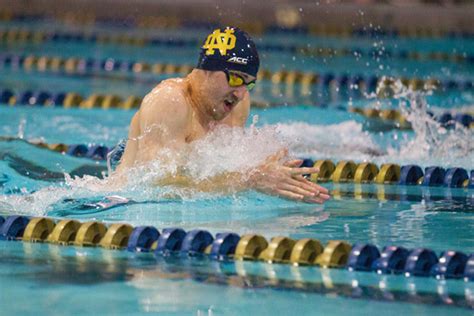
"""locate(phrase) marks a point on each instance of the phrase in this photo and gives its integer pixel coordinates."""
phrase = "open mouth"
(229, 104)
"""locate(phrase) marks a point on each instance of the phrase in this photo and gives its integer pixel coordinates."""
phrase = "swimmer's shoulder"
(170, 90)
(167, 101)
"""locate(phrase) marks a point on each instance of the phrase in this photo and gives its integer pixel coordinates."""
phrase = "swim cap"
(229, 49)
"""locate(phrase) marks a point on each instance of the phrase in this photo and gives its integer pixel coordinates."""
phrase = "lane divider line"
(257, 27)
(230, 246)
(383, 84)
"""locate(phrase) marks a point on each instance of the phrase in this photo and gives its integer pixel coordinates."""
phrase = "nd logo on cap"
(221, 41)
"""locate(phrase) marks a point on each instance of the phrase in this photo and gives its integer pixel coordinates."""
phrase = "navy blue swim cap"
(229, 49)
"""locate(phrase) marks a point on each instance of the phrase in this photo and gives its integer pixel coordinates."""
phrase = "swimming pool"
(316, 125)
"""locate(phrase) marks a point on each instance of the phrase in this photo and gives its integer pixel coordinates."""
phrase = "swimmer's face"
(221, 96)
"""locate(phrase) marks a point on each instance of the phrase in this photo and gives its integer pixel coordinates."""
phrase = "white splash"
(433, 144)
(345, 140)
(223, 150)
(232, 150)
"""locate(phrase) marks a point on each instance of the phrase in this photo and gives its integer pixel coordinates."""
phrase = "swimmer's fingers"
(278, 155)
(306, 185)
(297, 197)
(293, 163)
(321, 197)
(305, 193)
(324, 197)
(289, 195)
(315, 200)
(319, 193)
(302, 179)
(302, 171)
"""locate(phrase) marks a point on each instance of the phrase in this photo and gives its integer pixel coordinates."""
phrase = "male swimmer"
(179, 111)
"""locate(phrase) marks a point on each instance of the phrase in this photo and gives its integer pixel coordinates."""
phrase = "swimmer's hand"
(287, 180)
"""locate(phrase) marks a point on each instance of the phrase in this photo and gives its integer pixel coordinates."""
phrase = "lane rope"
(337, 81)
(230, 246)
(344, 171)
(174, 22)
(22, 35)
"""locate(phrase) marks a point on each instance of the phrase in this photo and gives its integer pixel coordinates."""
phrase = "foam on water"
(433, 143)
(428, 144)
(224, 150)
(345, 140)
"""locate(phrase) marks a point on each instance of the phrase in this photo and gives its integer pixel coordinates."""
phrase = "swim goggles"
(236, 80)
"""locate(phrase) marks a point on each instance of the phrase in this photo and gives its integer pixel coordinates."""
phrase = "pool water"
(35, 278)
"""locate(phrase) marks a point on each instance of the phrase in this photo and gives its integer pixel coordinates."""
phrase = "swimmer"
(181, 110)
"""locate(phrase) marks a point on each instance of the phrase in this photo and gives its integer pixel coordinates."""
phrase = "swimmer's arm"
(129, 155)
(163, 120)
(284, 180)
(158, 124)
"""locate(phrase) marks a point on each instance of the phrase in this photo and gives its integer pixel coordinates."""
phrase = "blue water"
(44, 277)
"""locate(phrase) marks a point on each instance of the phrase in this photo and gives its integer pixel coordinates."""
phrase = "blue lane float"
(451, 264)
(434, 176)
(392, 260)
(224, 245)
(420, 261)
(450, 84)
(327, 78)
(13, 227)
(16, 61)
(410, 175)
(85, 64)
(455, 177)
(57, 99)
(170, 240)
(463, 119)
(40, 98)
(446, 119)
(78, 150)
(126, 66)
(142, 238)
(362, 257)
(24, 97)
(196, 241)
(372, 83)
(97, 152)
(5, 96)
(98, 65)
(342, 80)
(469, 270)
(356, 80)
(307, 163)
